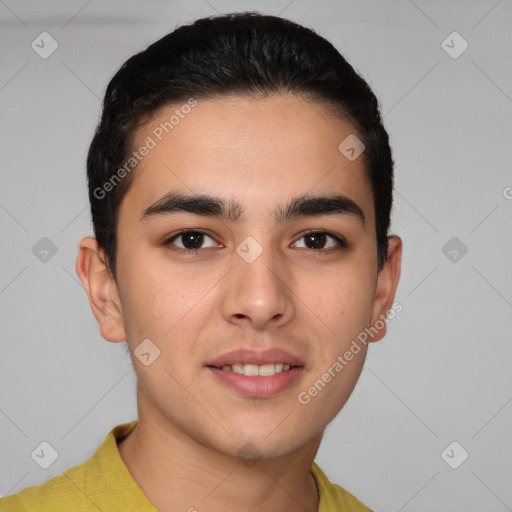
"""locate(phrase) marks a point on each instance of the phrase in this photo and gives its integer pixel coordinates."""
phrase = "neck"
(176, 472)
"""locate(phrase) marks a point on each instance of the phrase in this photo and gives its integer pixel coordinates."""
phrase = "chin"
(266, 444)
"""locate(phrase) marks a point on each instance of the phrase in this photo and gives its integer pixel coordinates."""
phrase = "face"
(252, 281)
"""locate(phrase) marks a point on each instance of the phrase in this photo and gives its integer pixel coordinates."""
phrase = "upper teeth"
(264, 370)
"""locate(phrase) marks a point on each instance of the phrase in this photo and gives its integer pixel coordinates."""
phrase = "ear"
(101, 290)
(387, 282)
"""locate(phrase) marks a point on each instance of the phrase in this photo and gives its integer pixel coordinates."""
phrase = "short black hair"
(246, 54)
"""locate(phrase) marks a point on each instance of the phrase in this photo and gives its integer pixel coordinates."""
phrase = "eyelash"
(342, 243)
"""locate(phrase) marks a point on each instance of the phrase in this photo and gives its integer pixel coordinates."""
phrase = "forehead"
(257, 150)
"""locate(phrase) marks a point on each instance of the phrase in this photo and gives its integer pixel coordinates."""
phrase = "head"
(248, 114)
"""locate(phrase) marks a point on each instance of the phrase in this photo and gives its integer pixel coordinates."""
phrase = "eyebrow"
(211, 206)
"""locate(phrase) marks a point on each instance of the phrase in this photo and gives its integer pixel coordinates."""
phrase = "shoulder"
(333, 497)
(102, 482)
(61, 493)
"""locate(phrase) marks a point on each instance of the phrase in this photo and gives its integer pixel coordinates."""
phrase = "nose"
(259, 292)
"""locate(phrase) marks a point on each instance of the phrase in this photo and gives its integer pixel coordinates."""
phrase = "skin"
(311, 302)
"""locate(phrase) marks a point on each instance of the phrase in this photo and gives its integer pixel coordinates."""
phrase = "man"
(240, 183)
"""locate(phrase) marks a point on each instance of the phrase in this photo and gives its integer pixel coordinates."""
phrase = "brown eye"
(318, 240)
(191, 240)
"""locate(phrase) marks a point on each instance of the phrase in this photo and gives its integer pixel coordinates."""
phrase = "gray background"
(442, 374)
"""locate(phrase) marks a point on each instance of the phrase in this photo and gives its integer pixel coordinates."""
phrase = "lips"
(249, 372)
(246, 356)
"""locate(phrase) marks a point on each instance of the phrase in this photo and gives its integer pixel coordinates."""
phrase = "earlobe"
(101, 290)
(387, 282)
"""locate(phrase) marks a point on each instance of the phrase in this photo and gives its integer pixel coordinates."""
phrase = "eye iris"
(311, 238)
(192, 238)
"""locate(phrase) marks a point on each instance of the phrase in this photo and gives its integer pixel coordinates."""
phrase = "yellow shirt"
(104, 483)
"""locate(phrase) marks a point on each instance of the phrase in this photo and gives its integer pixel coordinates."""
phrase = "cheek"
(146, 295)
(325, 394)
(162, 300)
(340, 300)
(345, 306)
